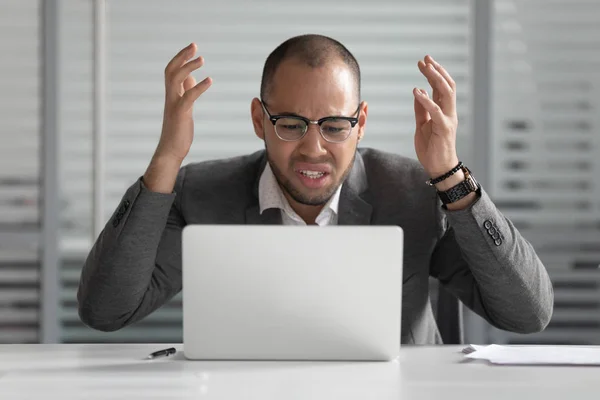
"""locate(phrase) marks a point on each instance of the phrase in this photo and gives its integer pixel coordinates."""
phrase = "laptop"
(274, 292)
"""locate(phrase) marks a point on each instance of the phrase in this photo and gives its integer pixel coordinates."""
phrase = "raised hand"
(181, 91)
(436, 120)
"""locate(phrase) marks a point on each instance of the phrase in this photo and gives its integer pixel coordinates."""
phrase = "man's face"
(311, 169)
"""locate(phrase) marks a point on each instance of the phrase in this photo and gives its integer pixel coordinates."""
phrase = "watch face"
(473, 185)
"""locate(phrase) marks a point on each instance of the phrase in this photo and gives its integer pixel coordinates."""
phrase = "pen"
(161, 353)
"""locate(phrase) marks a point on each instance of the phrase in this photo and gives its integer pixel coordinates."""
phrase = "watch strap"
(461, 190)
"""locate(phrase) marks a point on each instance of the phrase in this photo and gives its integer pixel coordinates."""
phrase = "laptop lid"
(273, 292)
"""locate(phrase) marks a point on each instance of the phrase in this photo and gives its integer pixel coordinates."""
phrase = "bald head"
(313, 51)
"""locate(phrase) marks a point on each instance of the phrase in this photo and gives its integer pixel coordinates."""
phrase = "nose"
(312, 144)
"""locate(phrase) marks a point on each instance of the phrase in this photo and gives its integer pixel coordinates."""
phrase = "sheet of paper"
(537, 355)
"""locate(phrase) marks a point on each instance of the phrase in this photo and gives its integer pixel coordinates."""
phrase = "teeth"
(312, 174)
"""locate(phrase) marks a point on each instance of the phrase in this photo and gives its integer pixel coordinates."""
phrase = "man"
(311, 120)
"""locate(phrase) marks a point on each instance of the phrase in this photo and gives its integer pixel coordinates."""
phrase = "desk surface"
(121, 372)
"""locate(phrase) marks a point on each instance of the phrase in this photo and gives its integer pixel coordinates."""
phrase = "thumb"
(188, 83)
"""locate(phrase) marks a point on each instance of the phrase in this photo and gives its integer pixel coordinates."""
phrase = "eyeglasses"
(291, 128)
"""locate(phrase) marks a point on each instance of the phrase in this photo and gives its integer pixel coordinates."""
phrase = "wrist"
(441, 169)
(459, 190)
(449, 172)
(166, 161)
(450, 182)
(161, 174)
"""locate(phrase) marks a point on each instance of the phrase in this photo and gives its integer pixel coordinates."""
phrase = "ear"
(257, 113)
(362, 119)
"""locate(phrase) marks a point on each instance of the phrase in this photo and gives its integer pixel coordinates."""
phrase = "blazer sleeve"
(134, 267)
(483, 260)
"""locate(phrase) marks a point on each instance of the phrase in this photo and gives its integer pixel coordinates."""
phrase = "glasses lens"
(290, 128)
(336, 130)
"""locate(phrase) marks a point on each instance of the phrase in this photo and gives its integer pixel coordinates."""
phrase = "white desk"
(119, 372)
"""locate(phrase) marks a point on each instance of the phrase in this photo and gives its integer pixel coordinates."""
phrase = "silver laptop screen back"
(287, 292)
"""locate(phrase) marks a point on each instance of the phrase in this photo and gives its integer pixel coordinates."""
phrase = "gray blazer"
(476, 254)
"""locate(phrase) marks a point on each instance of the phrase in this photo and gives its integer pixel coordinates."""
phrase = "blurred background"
(81, 98)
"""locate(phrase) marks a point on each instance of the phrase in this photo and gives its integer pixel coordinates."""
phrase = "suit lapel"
(353, 209)
(253, 216)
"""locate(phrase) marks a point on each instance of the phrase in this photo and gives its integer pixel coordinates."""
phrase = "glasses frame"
(274, 118)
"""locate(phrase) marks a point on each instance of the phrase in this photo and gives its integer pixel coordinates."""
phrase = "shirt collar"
(271, 196)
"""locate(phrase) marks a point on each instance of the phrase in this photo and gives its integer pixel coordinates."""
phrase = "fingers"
(192, 94)
(185, 54)
(430, 106)
(443, 93)
(421, 114)
(442, 71)
(179, 76)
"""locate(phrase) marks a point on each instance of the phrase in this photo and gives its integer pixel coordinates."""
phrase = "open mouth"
(313, 174)
(313, 179)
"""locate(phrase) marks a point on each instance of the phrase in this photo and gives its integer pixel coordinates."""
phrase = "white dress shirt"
(270, 195)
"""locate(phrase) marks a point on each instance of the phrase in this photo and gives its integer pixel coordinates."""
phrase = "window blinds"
(545, 151)
(20, 86)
